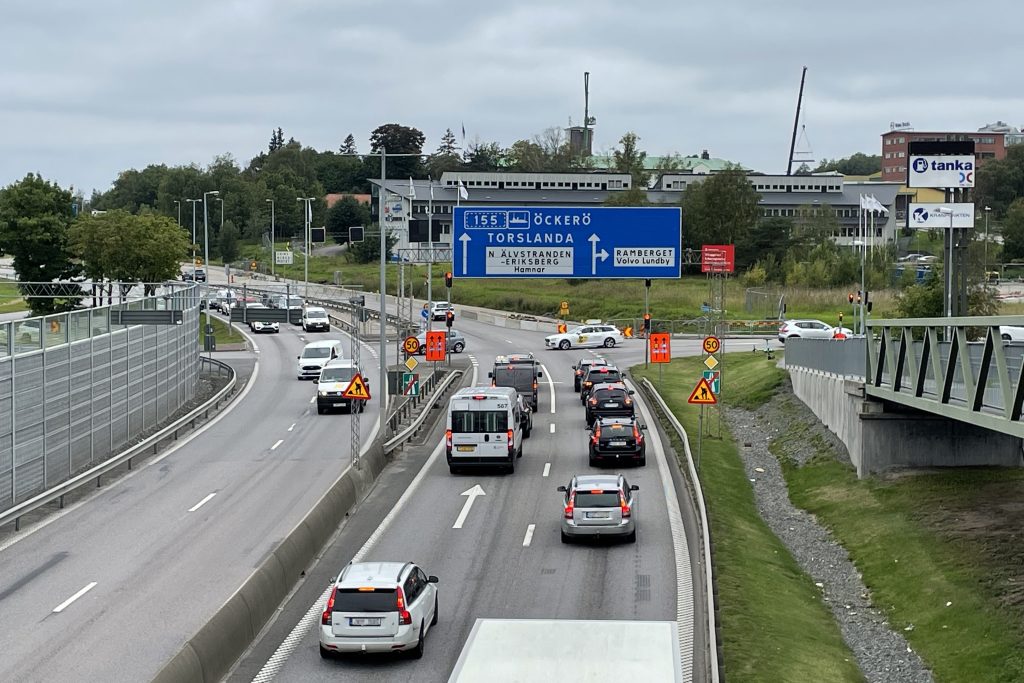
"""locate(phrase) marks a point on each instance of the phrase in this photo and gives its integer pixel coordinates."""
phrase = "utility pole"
(273, 246)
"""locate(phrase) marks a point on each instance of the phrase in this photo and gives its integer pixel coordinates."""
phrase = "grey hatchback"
(598, 505)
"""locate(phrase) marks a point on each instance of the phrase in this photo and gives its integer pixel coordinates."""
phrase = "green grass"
(10, 299)
(919, 543)
(221, 333)
(775, 626)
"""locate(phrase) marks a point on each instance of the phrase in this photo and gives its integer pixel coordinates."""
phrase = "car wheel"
(452, 469)
(327, 329)
(320, 410)
(632, 537)
(576, 386)
(433, 622)
(325, 653)
(609, 343)
(564, 344)
(417, 652)
(565, 539)
(458, 347)
(1006, 338)
(592, 461)
(643, 461)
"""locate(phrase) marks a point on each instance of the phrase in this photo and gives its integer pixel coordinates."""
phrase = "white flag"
(431, 190)
(309, 213)
(864, 203)
(877, 205)
(412, 189)
(462, 191)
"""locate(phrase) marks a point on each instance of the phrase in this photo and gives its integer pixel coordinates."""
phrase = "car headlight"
(322, 393)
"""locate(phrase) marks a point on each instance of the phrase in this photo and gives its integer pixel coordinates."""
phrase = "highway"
(111, 588)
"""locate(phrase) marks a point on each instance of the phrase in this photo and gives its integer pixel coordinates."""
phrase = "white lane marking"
(313, 400)
(509, 341)
(529, 535)
(547, 469)
(312, 615)
(201, 503)
(62, 606)
(551, 385)
(279, 442)
(552, 427)
(292, 427)
(472, 494)
(180, 444)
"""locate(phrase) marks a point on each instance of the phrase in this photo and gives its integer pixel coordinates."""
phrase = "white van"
(334, 379)
(316, 355)
(486, 426)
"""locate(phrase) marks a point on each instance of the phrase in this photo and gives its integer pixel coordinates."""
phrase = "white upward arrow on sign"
(472, 493)
(465, 239)
(595, 254)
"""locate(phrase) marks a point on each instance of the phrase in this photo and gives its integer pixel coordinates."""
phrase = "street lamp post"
(987, 209)
(307, 221)
(947, 211)
(177, 202)
(273, 247)
(193, 203)
(206, 260)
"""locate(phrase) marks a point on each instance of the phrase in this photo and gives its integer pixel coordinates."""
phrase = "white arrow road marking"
(62, 606)
(595, 254)
(529, 535)
(201, 503)
(472, 493)
(551, 386)
(465, 239)
(292, 427)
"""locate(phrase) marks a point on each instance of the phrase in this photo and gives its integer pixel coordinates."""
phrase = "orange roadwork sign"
(436, 346)
(702, 394)
(661, 347)
(357, 389)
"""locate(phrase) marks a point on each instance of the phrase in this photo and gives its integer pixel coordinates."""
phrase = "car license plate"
(598, 515)
(618, 443)
(340, 405)
(466, 449)
(364, 621)
(611, 405)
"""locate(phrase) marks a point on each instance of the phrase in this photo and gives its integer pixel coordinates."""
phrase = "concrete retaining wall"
(837, 402)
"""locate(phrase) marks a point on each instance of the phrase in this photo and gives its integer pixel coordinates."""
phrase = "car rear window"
(609, 376)
(479, 421)
(607, 499)
(514, 376)
(609, 394)
(355, 600)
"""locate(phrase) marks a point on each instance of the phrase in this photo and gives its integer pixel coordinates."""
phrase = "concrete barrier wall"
(835, 401)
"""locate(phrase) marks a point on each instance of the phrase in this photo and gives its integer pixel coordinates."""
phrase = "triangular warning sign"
(702, 394)
(357, 389)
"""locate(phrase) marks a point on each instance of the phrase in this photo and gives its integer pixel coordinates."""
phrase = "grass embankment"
(775, 626)
(221, 333)
(10, 298)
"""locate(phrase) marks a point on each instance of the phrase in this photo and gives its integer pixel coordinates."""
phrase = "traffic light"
(647, 322)
(449, 318)
(840, 317)
(849, 297)
(448, 279)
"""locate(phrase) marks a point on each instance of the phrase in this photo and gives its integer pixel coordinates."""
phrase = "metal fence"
(74, 388)
(844, 357)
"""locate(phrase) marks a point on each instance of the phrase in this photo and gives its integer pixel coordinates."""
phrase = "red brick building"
(894, 148)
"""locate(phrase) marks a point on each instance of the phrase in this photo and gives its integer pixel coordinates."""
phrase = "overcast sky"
(93, 88)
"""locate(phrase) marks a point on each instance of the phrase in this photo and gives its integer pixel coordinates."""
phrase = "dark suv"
(598, 374)
(580, 369)
(617, 439)
(609, 400)
(519, 371)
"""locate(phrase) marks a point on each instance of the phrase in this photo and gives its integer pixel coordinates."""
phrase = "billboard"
(928, 216)
(940, 171)
(718, 258)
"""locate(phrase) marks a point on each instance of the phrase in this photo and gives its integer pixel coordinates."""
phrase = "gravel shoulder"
(882, 654)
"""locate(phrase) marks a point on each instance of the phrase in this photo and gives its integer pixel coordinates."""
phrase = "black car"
(581, 368)
(598, 374)
(617, 439)
(610, 400)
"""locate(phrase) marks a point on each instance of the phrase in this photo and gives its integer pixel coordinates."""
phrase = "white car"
(1010, 333)
(439, 310)
(585, 335)
(379, 607)
(314, 318)
(810, 329)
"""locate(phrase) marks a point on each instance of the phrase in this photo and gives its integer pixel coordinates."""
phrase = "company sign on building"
(940, 171)
(928, 217)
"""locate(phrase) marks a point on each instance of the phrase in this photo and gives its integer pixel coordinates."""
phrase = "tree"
(34, 219)
(228, 242)
(368, 251)
(631, 160)
(348, 146)
(1013, 231)
(448, 146)
(346, 213)
(396, 139)
(483, 156)
(803, 169)
(1001, 181)
(127, 248)
(767, 245)
(134, 189)
(634, 196)
(855, 164)
(814, 224)
(276, 140)
(526, 157)
(721, 209)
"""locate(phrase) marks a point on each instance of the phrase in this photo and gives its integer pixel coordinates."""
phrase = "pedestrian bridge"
(930, 391)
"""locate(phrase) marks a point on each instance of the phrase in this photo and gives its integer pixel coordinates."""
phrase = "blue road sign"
(567, 242)
(424, 314)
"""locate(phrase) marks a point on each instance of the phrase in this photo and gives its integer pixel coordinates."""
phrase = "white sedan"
(810, 329)
(585, 335)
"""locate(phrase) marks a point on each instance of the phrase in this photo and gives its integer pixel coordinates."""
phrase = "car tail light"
(622, 504)
(593, 401)
(326, 618)
(535, 386)
(597, 434)
(510, 444)
(579, 373)
(569, 506)
(636, 434)
(629, 401)
(403, 614)
(448, 439)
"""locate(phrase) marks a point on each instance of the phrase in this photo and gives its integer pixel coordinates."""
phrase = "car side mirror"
(631, 392)
(634, 487)
(298, 356)
(490, 374)
(643, 428)
(432, 579)
(539, 375)
(561, 488)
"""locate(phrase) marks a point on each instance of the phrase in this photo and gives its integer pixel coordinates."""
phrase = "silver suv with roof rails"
(599, 505)
(379, 607)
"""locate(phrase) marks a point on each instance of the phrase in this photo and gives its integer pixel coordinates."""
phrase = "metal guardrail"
(404, 435)
(172, 430)
(704, 528)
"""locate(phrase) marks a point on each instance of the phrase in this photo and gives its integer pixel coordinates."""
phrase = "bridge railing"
(843, 357)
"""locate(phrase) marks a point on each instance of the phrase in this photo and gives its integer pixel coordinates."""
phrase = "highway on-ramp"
(110, 589)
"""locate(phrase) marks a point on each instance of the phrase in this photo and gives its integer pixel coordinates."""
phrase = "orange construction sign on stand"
(436, 346)
(702, 394)
(357, 389)
(661, 347)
